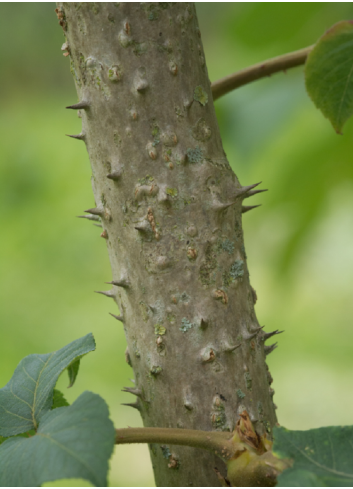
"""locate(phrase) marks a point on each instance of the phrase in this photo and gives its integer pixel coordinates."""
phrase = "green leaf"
(329, 74)
(29, 393)
(71, 442)
(59, 399)
(73, 371)
(322, 457)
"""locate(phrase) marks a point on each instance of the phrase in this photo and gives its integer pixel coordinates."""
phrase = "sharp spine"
(254, 192)
(119, 318)
(243, 190)
(269, 349)
(232, 348)
(134, 405)
(268, 335)
(143, 226)
(114, 175)
(96, 211)
(80, 136)
(91, 217)
(219, 206)
(250, 336)
(203, 323)
(247, 208)
(133, 390)
(80, 105)
(98, 225)
(123, 282)
(108, 293)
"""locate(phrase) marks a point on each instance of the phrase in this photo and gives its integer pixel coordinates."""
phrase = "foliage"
(55, 440)
(321, 457)
(328, 73)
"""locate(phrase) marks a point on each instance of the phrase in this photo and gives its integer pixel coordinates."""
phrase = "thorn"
(243, 190)
(246, 208)
(188, 405)
(132, 390)
(232, 348)
(91, 217)
(114, 175)
(203, 323)
(123, 282)
(96, 211)
(256, 330)
(98, 225)
(80, 105)
(119, 318)
(80, 136)
(134, 405)
(269, 349)
(104, 234)
(254, 192)
(250, 336)
(143, 226)
(142, 86)
(268, 335)
(218, 206)
(108, 293)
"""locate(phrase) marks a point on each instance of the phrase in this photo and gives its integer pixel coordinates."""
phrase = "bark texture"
(171, 210)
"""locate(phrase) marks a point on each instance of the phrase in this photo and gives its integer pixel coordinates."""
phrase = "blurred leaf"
(322, 457)
(71, 442)
(29, 393)
(59, 400)
(329, 74)
(73, 371)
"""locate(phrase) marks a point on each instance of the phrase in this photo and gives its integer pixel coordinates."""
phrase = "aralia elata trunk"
(171, 210)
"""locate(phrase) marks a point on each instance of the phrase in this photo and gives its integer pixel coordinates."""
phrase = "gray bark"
(171, 210)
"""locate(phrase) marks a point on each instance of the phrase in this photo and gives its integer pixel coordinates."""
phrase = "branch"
(217, 442)
(260, 70)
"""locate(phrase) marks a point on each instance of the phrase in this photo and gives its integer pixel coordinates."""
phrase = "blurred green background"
(299, 243)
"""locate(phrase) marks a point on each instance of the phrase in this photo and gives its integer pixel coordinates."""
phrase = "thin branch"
(217, 442)
(260, 70)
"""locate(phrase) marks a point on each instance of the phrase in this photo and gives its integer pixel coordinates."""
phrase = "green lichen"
(156, 370)
(139, 48)
(159, 330)
(248, 380)
(240, 394)
(194, 155)
(117, 140)
(227, 245)
(200, 95)
(237, 270)
(135, 349)
(166, 452)
(267, 426)
(219, 419)
(171, 317)
(185, 325)
(185, 297)
(173, 192)
(146, 180)
(201, 131)
(206, 273)
(260, 409)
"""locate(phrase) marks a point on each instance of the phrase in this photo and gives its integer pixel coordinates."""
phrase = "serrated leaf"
(59, 400)
(71, 442)
(329, 74)
(29, 393)
(322, 457)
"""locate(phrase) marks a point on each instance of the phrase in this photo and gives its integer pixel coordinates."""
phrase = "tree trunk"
(171, 210)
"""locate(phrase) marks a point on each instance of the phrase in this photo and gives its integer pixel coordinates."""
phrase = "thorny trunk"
(171, 210)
